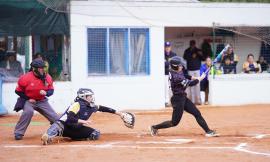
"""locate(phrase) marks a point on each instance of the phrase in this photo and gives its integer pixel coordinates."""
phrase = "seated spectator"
(204, 84)
(2, 54)
(250, 66)
(11, 66)
(229, 60)
(228, 67)
(263, 63)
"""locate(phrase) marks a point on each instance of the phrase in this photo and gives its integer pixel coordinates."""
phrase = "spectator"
(227, 67)
(11, 65)
(40, 56)
(263, 64)
(167, 55)
(2, 54)
(231, 59)
(206, 49)
(193, 56)
(204, 84)
(250, 66)
(34, 87)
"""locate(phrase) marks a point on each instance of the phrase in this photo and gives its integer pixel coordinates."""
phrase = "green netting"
(26, 17)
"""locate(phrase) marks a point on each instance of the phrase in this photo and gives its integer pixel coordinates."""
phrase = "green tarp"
(26, 17)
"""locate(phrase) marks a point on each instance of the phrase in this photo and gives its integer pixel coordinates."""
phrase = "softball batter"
(179, 82)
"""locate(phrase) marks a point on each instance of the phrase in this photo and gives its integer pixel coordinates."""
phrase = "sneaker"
(45, 139)
(18, 137)
(153, 131)
(211, 133)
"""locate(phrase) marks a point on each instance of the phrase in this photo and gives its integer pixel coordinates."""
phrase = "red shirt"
(31, 85)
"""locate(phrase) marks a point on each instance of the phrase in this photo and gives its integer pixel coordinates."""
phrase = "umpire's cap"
(176, 61)
(38, 63)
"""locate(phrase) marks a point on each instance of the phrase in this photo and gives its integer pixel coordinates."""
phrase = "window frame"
(127, 64)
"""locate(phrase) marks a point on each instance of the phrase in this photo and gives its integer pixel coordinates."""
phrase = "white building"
(134, 77)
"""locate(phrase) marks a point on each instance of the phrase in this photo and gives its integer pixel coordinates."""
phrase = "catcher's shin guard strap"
(56, 129)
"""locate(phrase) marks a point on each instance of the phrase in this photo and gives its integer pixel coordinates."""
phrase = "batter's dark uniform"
(80, 109)
(179, 81)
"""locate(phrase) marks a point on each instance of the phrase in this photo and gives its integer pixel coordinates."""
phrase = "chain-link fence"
(16, 54)
(232, 45)
(241, 49)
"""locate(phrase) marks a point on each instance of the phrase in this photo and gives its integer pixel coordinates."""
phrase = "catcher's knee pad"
(94, 135)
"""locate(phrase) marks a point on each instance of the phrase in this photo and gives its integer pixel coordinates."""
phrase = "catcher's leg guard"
(94, 135)
(56, 129)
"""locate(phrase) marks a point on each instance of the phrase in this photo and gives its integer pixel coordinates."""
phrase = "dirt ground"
(245, 136)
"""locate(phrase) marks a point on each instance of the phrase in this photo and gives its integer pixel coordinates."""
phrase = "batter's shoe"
(45, 139)
(211, 133)
(153, 131)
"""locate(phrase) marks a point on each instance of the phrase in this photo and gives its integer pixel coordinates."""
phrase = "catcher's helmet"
(84, 92)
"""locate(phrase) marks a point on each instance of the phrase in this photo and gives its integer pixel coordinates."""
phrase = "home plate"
(180, 140)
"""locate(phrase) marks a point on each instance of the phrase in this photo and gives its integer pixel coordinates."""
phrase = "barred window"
(118, 51)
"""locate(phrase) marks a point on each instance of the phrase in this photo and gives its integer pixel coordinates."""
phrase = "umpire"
(33, 88)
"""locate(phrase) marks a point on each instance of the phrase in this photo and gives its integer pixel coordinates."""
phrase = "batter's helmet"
(176, 61)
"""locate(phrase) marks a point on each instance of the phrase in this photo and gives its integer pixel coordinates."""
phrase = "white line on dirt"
(135, 145)
(260, 136)
(241, 148)
(109, 146)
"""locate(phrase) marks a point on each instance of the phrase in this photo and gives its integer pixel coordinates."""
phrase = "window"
(118, 51)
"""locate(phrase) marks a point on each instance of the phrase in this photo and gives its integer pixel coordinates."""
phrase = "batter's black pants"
(181, 103)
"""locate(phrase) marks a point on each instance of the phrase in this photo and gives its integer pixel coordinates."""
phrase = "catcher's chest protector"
(85, 111)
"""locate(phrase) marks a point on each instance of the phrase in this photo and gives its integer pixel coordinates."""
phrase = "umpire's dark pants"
(43, 107)
(181, 103)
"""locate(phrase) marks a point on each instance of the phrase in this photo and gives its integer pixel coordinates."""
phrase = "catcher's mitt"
(128, 119)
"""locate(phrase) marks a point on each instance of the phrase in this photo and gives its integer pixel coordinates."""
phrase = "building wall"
(126, 92)
(137, 92)
(239, 89)
(162, 14)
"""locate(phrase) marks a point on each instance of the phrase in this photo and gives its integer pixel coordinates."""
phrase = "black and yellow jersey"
(81, 109)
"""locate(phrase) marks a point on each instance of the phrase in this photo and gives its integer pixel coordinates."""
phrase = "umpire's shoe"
(211, 133)
(153, 131)
(18, 136)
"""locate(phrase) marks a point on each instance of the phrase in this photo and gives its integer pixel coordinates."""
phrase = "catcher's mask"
(87, 95)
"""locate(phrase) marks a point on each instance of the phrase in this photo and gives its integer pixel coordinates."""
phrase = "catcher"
(74, 122)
